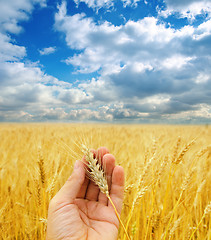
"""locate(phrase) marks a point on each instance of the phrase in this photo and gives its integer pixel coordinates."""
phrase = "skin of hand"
(80, 211)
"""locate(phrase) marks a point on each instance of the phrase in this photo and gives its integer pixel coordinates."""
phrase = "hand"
(80, 211)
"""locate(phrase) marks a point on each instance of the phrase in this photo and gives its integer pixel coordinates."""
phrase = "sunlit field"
(168, 176)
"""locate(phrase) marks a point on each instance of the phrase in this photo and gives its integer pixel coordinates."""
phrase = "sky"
(112, 61)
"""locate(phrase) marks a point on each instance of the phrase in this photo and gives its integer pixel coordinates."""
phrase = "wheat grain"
(41, 167)
(207, 210)
(95, 171)
(175, 226)
(97, 175)
(182, 153)
(176, 149)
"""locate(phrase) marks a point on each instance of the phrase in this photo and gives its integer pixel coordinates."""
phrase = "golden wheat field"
(168, 176)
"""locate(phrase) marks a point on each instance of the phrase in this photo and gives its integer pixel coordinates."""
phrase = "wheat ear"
(97, 175)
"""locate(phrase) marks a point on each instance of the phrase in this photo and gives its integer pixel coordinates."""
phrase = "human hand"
(80, 211)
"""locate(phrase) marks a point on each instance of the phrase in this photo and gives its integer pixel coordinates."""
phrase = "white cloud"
(26, 91)
(15, 73)
(101, 90)
(147, 71)
(187, 9)
(74, 96)
(179, 4)
(47, 51)
(202, 78)
(139, 67)
(203, 30)
(151, 67)
(12, 12)
(97, 4)
(176, 62)
(24, 86)
(10, 51)
(145, 42)
(105, 43)
(132, 3)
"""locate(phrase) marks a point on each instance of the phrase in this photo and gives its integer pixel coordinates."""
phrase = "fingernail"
(77, 164)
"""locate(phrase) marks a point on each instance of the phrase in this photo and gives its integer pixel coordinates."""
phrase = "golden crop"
(168, 176)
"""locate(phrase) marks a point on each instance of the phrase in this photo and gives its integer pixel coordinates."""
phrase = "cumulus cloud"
(10, 51)
(147, 71)
(135, 42)
(141, 61)
(12, 12)
(146, 42)
(27, 93)
(47, 51)
(187, 9)
(23, 86)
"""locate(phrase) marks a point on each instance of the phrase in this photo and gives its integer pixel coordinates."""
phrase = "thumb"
(70, 190)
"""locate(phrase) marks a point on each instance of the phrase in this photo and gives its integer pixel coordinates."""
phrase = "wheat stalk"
(207, 211)
(97, 175)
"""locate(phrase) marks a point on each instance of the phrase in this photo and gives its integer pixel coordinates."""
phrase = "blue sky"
(126, 61)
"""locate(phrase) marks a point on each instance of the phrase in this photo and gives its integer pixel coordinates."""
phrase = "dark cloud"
(150, 82)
